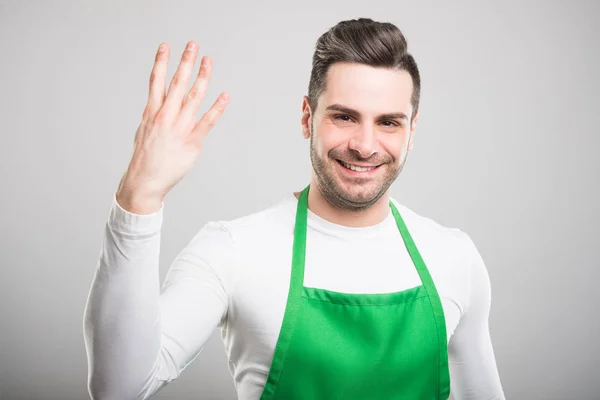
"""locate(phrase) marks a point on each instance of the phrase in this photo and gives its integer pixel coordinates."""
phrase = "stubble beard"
(335, 195)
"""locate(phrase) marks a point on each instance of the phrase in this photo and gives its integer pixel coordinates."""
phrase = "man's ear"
(413, 125)
(305, 120)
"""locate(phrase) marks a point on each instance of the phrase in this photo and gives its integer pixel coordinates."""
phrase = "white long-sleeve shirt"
(235, 275)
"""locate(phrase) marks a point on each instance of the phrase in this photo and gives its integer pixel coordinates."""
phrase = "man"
(336, 292)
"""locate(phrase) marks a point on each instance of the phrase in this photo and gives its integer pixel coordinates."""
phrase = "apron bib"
(335, 345)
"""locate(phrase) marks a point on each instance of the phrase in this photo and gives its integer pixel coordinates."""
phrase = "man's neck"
(318, 205)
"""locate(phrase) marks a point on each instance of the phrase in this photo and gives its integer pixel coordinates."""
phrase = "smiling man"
(357, 155)
(338, 291)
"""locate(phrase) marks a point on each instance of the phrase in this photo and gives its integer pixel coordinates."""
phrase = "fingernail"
(162, 48)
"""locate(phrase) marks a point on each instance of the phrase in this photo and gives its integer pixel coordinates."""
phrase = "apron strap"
(432, 294)
(294, 296)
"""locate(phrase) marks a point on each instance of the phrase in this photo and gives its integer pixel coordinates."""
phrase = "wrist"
(138, 204)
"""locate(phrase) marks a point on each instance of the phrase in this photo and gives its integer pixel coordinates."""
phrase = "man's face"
(362, 120)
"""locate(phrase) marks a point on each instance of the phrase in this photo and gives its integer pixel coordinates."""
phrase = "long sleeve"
(138, 337)
(473, 370)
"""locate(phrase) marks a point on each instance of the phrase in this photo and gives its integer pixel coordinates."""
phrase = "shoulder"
(272, 220)
(429, 231)
(221, 243)
(450, 254)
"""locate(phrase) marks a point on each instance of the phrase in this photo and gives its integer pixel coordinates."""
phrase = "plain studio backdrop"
(505, 149)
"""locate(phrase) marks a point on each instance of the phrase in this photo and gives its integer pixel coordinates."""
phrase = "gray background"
(505, 150)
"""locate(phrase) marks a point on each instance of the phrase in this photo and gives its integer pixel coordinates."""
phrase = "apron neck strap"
(298, 259)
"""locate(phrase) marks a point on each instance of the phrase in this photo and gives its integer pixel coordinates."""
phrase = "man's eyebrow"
(348, 110)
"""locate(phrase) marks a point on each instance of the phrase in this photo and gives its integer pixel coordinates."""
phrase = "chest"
(260, 296)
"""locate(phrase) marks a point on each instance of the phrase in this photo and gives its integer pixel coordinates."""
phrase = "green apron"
(335, 345)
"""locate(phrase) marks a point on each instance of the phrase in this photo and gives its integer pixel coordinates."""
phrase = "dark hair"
(364, 41)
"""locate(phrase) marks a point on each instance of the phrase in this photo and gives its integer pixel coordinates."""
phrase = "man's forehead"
(367, 89)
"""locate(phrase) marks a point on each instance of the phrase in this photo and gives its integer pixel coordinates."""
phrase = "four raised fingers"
(172, 105)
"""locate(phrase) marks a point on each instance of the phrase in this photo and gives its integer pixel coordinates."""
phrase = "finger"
(178, 85)
(158, 82)
(196, 94)
(209, 118)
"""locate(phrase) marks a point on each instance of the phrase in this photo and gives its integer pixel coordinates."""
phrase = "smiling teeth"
(355, 168)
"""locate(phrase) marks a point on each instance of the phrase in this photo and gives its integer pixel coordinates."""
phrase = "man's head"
(361, 109)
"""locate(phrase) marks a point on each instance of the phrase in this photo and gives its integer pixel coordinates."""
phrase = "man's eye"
(342, 117)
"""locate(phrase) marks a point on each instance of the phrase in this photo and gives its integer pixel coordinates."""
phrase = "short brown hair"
(364, 41)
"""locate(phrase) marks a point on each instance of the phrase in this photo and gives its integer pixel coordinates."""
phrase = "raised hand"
(169, 139)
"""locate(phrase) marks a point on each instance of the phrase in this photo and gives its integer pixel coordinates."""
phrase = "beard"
(365, 192)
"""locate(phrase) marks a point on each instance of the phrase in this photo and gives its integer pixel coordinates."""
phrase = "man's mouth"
(357, 168)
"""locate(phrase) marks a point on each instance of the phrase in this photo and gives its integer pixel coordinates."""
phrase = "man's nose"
(364, 141)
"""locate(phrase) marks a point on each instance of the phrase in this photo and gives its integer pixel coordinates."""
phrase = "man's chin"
(358, 194)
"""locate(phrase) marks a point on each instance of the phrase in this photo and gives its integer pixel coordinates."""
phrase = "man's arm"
(138, 338)
(473, 371)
